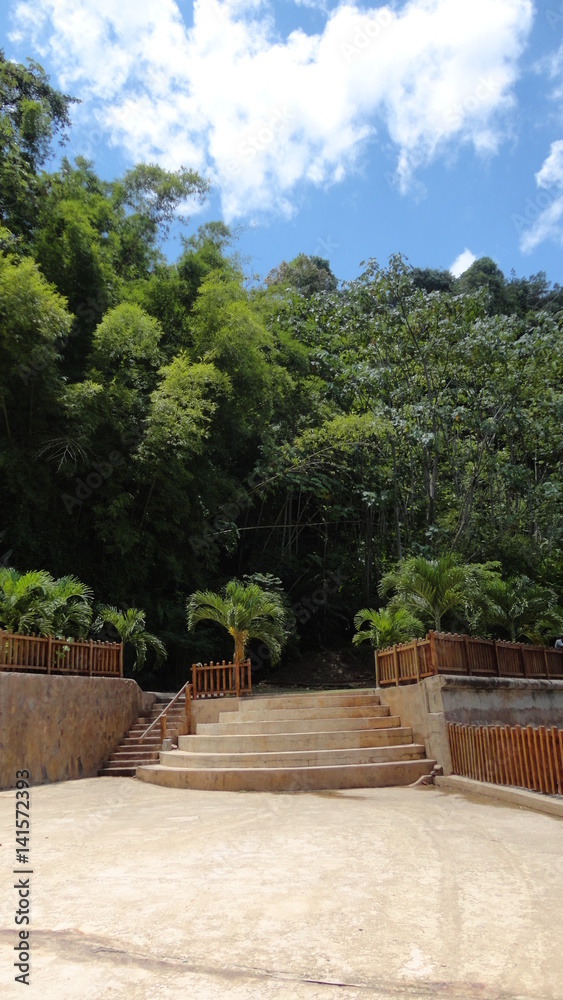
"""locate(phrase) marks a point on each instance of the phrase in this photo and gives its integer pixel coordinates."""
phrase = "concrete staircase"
(131, 753)
(341, 739)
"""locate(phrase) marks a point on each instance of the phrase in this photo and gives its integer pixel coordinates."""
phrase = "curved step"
(310, 699)
(339, 712)
(294, 726)
(291, 779)
(292, 758)
(267, 742)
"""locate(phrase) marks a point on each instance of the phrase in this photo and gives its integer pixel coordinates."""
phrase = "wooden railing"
(60, 656)
(219, 680)
(525, 757)
(162, 719)
(444, 653)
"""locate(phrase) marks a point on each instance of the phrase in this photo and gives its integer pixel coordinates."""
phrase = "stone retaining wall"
(62, 727)
(472, 701)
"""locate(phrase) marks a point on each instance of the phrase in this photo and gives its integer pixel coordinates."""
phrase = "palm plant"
(67, 609)
(524, 609)
(432, 588)
(247, 612)
(386, 628)
(22, 599)
(35, 602)
(130, 627)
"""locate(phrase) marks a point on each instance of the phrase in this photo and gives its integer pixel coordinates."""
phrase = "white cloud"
(462, 262)
(262, 113)
(546, 213)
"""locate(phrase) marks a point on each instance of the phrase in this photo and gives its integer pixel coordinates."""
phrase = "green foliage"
(307, 275)
(21, 598)
(387, 627)
(524, 609)
(125, 345)
(130, 627)
(165, 427)
(35, 602)
(182, 408)
(32, 113)
(247, 612)
(433, 588)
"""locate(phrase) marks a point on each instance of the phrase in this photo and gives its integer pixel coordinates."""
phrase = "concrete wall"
(209, 710)
(428, 706)
(62, 727)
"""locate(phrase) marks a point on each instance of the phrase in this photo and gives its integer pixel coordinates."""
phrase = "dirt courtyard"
(142, 892)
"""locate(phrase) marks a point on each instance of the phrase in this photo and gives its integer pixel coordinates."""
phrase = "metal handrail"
(186, 688)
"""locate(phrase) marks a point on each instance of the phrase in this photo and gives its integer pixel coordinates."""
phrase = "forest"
(168, 426)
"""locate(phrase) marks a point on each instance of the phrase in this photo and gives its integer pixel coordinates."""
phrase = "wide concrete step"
(310, 699)
(271, 742)
(296, 725)
(287, 779)
(342, 711)
(293, 758)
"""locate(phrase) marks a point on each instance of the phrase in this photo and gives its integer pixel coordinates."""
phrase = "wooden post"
(194, 679)
(417, 657)
(237, 679)
(49, 642)
(188, 707)
(467, 656)
(121, 660)
(376, 669)
(433, 659)
(546, 662)
(497, 665)
(90, 656)
(523, 661)
(163, 728)
(396, 666)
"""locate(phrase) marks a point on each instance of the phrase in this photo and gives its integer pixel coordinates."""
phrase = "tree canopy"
(169, 425)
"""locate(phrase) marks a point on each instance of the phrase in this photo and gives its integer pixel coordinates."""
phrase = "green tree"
(247, 612)
(32, 114)
(35, 602)
(130, 627)
(524, 609)
(386, 627)
(22, 598)
(66, 611)
(308, 275)
(433, 588)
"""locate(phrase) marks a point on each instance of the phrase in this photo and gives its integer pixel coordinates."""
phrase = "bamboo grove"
(166, 426)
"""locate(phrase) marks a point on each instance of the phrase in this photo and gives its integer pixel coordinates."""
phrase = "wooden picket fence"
(522, 756)
(44, 654)
(220, 680)
(446, 653)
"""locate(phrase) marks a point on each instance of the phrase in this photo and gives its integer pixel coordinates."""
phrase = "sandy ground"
(143, 892)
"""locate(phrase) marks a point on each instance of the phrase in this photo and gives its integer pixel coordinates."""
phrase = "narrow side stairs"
(131, 753)
(299, 742)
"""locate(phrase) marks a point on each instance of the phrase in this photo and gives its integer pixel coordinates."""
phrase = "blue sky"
(433, 128)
